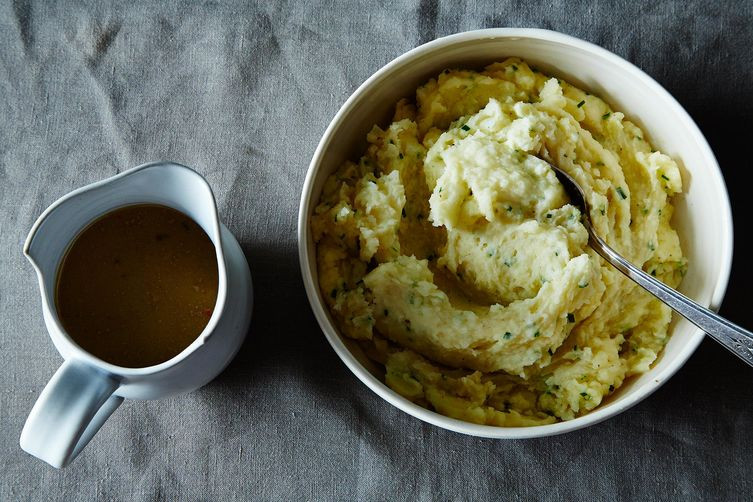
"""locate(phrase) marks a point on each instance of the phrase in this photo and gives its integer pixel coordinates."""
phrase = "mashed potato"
(450, 254)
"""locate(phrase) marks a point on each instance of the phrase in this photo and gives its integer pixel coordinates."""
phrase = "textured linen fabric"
(242, 93)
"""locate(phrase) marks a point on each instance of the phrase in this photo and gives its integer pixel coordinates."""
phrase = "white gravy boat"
(85, 391)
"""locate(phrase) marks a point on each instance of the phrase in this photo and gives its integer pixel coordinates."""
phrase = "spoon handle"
(736, 339)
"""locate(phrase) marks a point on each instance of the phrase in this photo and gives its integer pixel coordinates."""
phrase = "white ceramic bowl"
(702, 216)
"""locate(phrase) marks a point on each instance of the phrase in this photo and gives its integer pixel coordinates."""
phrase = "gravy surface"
(138, 285)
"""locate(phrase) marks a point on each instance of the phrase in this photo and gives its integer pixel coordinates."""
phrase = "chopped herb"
(664, 176)
(507, 335)
(509, 209)
(575, 347)
(570, 317)
(465, 127)
(586, 396)
(621, 193)
(333, 293)
(392, 142)
(440, 189)
(638, 138)
(651, 246)
(606, 116)
(400, 156)
(536, 335)
(653, 272)
(514, 68)
(581, 103)
(602, 210)
(548, 215)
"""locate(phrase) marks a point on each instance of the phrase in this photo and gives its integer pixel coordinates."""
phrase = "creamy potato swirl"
(450, 255)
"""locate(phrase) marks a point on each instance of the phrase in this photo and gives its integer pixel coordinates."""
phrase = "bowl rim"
(488, 431)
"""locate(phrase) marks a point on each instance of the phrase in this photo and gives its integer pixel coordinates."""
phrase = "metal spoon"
(733, 337)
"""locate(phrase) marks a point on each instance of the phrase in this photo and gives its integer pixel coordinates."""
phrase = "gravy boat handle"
(69, 411)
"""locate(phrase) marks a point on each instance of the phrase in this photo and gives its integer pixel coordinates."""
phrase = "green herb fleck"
(465, 127)
(536, 335)
(514, 68)
(400, 156)
(586, 396)
(570, 317)
(621, 193)
(581, 103)
(507, 335)
(548, 215)
(664, 176)
(606, 116)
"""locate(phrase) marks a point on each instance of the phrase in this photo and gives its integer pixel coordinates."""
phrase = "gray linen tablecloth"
(243, 93)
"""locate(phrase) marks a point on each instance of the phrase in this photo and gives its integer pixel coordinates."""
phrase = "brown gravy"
(138, 285)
